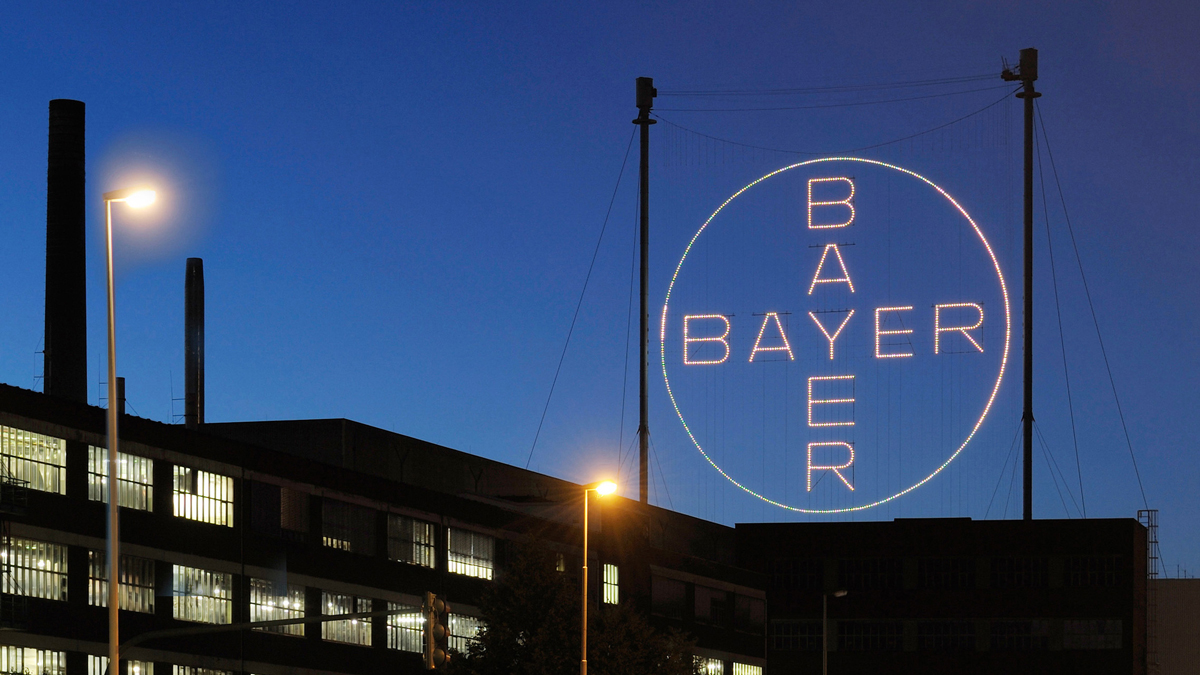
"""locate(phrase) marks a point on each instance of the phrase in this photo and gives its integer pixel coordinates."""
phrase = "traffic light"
(435, 612)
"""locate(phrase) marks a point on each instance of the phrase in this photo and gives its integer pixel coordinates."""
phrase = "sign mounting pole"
(645, 99)
(1027, 73)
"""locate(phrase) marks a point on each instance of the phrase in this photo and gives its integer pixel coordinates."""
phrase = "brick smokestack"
(65, 373)
(193, 347)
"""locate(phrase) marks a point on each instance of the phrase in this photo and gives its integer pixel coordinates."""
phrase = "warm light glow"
(141, 198)
(842, 263)
(987, 406)
(688, 340)
(606, 488)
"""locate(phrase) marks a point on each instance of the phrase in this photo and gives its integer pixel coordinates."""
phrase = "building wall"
(344, 480)
(954, 595)
(1178, 625)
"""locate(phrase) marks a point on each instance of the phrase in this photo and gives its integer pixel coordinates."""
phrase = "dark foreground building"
(261, 521)
(954, 595)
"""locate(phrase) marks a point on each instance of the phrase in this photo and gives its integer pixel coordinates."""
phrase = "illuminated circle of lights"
(987, 406)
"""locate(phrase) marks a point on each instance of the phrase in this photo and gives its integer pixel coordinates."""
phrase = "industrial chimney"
(193, 329)
(65, 364)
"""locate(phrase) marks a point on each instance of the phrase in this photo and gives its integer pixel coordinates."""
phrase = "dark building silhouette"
(953, 595)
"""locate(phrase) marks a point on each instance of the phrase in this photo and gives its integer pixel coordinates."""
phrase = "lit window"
(97, 665)
(710, 666)
(404, 631)
(202, 595)
(350, 631)
(136, 592)
(38, 460)
(203, 496)
(746, 669)
(271, 601)
(560, 563)
(26, 660)
(35, 568)
(135, 479)
(348, 527)
(612, 593)
(472, 554)
(411, 540)
(192, 670)
(463, 630)
(1092, 634)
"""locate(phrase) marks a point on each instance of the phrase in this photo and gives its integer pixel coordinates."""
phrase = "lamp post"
(137, 198)
(825, 628)
(603, 488)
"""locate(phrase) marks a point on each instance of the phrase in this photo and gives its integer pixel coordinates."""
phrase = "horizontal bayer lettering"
(708, 339)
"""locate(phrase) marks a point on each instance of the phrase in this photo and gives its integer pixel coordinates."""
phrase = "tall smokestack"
(65, 370)
(193, 310)
(120, 396)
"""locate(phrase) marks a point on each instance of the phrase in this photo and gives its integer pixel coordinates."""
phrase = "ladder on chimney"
(1149, 518)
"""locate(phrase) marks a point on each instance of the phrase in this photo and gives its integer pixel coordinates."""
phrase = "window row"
(711, 666)
(39, 569)
(27, 660)
(283, 512)
(714, 606)
(795, 579)
(957, 635)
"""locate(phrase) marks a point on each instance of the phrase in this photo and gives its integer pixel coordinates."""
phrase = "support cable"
(750, 146)
(831, 89)
(1052, 459)
(637, 203)
(1012, 446)
(661, 475)
(1095, 321)
(847, 104)
(579, 304)
(1062, 343)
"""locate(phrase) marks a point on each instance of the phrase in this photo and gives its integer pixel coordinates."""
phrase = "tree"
(532, 628)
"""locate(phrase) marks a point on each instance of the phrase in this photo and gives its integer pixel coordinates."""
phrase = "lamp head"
(135, 197)
(606, 488)
(839, 593)
(141, 198)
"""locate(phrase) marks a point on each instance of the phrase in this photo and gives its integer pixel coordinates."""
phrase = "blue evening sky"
(397, 203)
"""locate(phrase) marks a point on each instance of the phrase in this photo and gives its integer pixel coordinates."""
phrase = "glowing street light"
(135, 198)
(602, 488)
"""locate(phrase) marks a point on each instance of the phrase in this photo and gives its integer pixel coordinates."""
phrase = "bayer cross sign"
(835, 334)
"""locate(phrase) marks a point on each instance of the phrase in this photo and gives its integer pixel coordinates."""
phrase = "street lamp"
(825, 628)
(136, 198)
(602, 488)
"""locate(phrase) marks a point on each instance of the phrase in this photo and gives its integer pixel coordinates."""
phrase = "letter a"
(785, 347)
(817, 279)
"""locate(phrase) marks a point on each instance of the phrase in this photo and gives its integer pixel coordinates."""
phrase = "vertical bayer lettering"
(887, 317)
